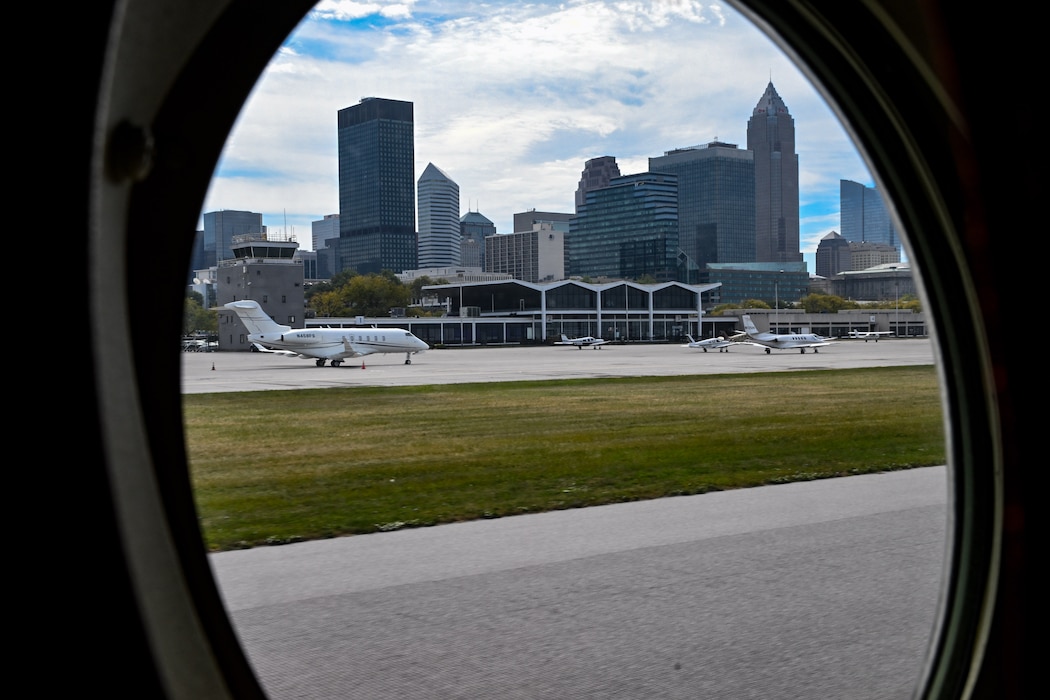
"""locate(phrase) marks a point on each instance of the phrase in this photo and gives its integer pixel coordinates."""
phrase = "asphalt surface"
(253, 371)
(826, 589)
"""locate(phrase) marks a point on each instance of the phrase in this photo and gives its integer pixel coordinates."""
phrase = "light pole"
(897, 306)
(776, 300)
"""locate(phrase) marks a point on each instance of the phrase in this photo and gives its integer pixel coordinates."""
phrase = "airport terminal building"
(514, 312)
(518, 312)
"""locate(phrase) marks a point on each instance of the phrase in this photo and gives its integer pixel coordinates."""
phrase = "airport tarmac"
(806, 590)
(253, 371)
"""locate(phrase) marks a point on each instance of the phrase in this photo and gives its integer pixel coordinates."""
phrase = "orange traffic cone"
(362, 364)
(212, 366)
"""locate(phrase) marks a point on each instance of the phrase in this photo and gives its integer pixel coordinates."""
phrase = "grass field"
(286, 466)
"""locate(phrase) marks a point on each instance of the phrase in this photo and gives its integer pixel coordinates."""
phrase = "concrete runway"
(807, 591)
(252, 371)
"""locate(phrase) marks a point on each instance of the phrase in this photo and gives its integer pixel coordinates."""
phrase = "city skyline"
(512, 101)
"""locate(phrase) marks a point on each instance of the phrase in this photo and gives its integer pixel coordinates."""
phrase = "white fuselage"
(340, 343)
(788, 340)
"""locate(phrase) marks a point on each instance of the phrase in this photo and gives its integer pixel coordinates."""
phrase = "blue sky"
(510, 100)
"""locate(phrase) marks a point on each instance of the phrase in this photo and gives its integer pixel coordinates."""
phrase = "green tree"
(816, 303)
(374, 295)
(328, 304)
(195, 318)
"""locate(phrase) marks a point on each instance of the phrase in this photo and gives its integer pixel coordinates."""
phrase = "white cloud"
(510, 99)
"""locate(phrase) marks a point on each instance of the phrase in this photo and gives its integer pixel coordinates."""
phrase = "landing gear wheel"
(320, 362)
(336, 363)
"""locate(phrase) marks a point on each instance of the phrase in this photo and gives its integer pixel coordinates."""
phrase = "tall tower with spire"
(771, 137)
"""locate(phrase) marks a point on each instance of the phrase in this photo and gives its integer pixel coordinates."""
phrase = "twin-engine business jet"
(586, 341)
(322, 344)
(782, 341)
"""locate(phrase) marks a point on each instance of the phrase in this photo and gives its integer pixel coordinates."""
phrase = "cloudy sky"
(510, 99)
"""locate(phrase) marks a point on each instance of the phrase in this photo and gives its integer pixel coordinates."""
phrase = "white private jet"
(720, 342)
(782, 341)
(322, 344)
(586, 341)
(868, 335)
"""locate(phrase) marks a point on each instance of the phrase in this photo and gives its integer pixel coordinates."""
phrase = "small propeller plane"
(782, 341)
(586, 341)
(322, 344)
(720, 342)
(868, 335)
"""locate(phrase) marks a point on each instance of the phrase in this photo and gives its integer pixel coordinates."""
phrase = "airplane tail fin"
(690, 338)
(255, 319)
(749, 325)
(564, 338)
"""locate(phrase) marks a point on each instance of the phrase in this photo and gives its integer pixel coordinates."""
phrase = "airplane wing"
(286, 353)
(356, 350)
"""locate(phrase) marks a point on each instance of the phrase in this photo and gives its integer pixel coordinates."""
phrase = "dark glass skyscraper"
(627, 230)
(219, 229)
(863, 217)
(716, 203)
(473, 228)
(377, 185)
(771, 137)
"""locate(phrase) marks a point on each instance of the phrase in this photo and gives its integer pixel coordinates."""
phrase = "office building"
(532, 256)
(597, 172)
(777, 284)
(716, 203)
(324, 230)
(865, 255)
(474, 228)
(864, 217)
(377, 203)
(628, 230)
(220, 227)
(771, 138)
(439, 227)
(833, 255)
(528, 220)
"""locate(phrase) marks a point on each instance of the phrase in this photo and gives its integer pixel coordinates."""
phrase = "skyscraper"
(771, 138)
(474, 227)
(627, 230)
(716, 203)
(439, 228)
(324, 230)
(219, 229)
(377, 203)
(833, 255)
(597, 172)
(863, 216)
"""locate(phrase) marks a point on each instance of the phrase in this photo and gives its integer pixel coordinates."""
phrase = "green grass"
(286, 466)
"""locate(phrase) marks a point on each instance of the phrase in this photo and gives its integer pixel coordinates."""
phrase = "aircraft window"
(633, 162)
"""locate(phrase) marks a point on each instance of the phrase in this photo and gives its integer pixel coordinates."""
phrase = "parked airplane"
(720, 342)
(782, 341)
(586, 341)
(868, 335)
(322, 344)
